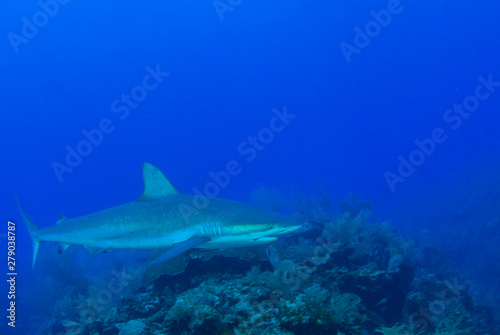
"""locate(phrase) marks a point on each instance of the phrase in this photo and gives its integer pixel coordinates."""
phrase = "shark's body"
(163, 218)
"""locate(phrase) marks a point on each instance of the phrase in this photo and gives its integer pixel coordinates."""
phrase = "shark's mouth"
(265, 240)
(245, 240)
(237, 241)
(275, 232)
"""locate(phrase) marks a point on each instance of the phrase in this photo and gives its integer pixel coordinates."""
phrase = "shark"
(164, 219)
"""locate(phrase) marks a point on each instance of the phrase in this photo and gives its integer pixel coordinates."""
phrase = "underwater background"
(386, 148)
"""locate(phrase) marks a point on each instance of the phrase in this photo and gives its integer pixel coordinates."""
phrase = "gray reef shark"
(164, 218)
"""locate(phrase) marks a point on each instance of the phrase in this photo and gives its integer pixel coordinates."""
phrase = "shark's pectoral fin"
(157, 254)
(179, 248)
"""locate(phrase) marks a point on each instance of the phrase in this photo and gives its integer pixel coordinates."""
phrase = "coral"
(314, 297)
(347, 309)
(133, 327)
(397, 329)
(273, 257)
(404, 329)
(347, 229)
(196, 306)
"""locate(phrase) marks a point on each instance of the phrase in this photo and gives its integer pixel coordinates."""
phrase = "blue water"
(331, 108)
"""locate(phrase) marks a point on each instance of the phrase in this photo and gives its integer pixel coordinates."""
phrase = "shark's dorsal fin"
(156, 185)
(60, 218)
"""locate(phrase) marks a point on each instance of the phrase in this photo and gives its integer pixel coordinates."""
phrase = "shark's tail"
(33, 230)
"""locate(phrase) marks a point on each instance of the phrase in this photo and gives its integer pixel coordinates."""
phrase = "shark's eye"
(271, 227)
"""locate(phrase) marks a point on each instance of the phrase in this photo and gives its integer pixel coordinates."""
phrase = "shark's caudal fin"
(156, 185)
(32, 230)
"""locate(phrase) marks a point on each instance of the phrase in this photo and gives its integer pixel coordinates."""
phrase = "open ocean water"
(373, 124)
